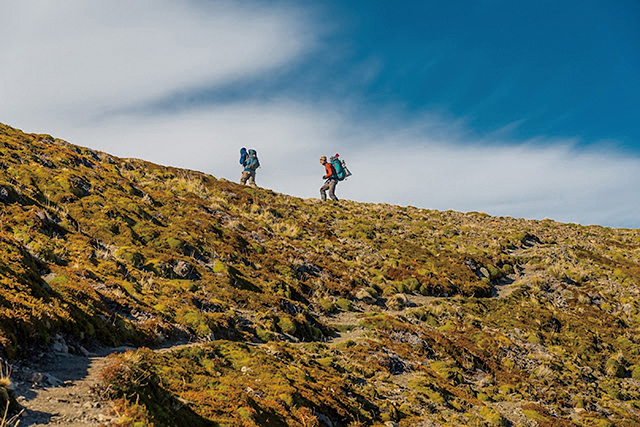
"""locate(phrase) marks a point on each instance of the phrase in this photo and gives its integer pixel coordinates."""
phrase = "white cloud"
(79, 58)
(559, 181)
(400, 164)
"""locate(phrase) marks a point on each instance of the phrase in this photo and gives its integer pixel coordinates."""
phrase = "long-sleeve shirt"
(330, 172)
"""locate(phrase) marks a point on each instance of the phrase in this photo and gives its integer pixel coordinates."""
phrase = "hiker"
(331, 178)
(249, 159)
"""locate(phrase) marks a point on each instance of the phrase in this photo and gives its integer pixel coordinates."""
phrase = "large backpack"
(340, 166)
(251, 161)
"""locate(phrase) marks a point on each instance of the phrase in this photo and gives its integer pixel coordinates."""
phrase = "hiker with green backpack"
(335, 170)
(249, 159)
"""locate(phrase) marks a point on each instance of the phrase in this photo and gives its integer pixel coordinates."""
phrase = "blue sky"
(562, 69)
(559, 69)
(526, 109)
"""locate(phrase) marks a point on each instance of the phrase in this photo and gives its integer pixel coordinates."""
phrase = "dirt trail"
(349, 320)
(523, 274)
(63, 389)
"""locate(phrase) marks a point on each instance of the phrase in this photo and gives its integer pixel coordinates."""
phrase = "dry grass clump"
(6, 397)
(5, 375)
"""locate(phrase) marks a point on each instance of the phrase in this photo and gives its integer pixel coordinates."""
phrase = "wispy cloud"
(72, 57)
(406, 163)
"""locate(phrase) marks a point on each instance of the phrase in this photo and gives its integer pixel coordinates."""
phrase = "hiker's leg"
(332, 190)
(323, 191)
(252, 178)
(245, 176)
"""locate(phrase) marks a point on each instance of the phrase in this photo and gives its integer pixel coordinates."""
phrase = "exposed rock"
(363, 295)
(59, 345)
(397, 302)
(4, 195)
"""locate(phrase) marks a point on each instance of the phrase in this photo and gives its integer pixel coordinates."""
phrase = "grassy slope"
(101, 249)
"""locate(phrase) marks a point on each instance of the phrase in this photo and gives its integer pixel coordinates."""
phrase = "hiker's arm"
(327, 169)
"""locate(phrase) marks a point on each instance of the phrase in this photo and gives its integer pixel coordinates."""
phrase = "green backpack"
(340, 166)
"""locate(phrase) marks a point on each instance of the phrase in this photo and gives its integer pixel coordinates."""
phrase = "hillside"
(308, 313)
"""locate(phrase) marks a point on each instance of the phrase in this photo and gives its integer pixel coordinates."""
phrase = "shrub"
(635, 373)
(264, 335)
(327, 305)
(175, 244)
(493, 417)
(286, 325)
(614, 368)
(344, 304)
(219, 267)
(412, 283)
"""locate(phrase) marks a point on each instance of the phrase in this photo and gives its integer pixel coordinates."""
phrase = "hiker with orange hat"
(331, 178)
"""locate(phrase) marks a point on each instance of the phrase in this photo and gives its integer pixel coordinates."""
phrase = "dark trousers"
(331, 186)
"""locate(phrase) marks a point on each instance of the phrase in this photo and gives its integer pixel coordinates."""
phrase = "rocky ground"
(62, 389)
